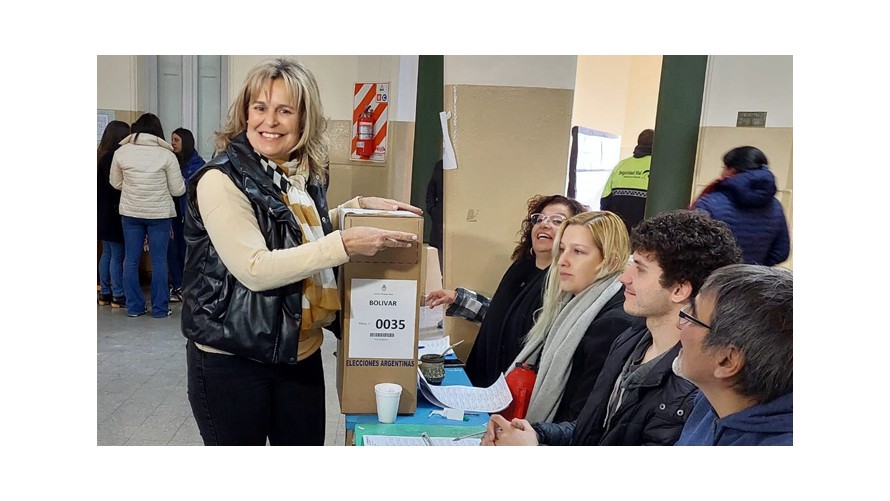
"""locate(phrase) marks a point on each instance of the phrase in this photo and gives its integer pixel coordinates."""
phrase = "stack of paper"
(383, 440)
(468, 398)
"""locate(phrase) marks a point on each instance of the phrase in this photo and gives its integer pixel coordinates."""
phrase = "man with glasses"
(637, 399)
(736, 342)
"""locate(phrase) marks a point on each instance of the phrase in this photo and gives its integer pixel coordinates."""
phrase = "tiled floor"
(141, 380)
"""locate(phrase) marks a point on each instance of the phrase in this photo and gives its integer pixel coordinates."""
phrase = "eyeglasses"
(555, 219)
(685, 318)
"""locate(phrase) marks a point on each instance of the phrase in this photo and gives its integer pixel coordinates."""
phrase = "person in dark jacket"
(737, 347)
(259, 283)
(743, 197)
(434, 207)
(109, 228)
(183, 143)
(509, 315)
(627, 187)
(637, 399)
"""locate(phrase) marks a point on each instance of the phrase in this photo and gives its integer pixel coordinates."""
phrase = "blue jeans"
(176, 254)
(158, 231)
(111, 269)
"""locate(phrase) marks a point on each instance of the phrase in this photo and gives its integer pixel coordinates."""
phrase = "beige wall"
(118, 90)
(511, 142)
(617, 94)
(116, 83)
(336, 76)
(117, 87)
(748, 83)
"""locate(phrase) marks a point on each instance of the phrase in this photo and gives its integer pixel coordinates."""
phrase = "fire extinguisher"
(521, 381)
(364, 145)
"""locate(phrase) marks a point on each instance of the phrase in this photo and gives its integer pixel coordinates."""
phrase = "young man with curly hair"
(637, 399)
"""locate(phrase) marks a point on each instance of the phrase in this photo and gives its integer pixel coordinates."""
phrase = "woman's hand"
(367, 241)
(440, 297)
(386, 204)
(499, 431)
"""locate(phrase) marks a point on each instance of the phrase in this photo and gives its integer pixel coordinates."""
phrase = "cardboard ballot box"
(381, 298)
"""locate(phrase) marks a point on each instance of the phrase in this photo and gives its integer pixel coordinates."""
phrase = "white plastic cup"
(388, 395)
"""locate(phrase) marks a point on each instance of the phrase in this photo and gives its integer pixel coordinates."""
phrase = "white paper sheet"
(383, 440)
(468, 398)
(449, 160)
(381, 318)
(433, 346)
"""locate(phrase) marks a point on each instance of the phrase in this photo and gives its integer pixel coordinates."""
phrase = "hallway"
(141, 380)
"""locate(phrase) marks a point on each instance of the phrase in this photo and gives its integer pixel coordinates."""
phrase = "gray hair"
(753, 311)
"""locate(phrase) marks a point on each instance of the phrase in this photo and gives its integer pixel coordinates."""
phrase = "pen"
(471, 435)
(426, 439)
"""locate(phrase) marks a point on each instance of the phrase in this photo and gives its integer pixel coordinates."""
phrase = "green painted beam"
(427, 130)
(677, 125)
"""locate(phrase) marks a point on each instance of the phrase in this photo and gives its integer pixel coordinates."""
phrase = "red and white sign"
(370, 106)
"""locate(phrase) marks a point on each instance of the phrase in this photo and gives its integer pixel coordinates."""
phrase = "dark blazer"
(510, 316)
(654, 414)
(590, 356)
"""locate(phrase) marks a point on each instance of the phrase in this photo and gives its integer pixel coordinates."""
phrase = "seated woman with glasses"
(508, 315)
(583, 313)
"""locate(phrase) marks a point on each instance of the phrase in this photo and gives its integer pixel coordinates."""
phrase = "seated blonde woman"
(582, 314)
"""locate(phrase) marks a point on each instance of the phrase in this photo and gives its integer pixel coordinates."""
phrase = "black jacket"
(590, 356)
(434, 205)
(109, 227)
(510, 316)
(652, 415)
(219, 311)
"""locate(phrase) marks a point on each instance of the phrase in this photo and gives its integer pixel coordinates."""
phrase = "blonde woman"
(582, 314)
(259, 285)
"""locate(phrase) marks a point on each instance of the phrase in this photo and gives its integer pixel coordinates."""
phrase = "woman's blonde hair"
(610, 237)
(312, 148)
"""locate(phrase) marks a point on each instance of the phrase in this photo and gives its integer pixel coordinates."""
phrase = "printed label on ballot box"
(381, 318)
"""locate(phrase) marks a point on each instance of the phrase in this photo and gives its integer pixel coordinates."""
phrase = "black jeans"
(238, 401)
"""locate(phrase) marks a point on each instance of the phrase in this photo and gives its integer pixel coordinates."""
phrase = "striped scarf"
(321, 300)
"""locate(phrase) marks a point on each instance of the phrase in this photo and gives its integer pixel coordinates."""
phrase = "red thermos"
(521, 381)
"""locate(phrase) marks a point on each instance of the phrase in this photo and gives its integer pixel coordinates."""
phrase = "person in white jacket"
(146, 171)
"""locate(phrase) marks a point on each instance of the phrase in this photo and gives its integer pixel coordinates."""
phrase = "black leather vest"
(219, 311)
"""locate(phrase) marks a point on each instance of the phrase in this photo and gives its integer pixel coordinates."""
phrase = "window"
(594, 154)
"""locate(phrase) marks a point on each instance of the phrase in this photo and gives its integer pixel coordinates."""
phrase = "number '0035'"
(386, 323)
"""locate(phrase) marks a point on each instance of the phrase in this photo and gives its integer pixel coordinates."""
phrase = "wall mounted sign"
(381, 318)
(751, 119)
